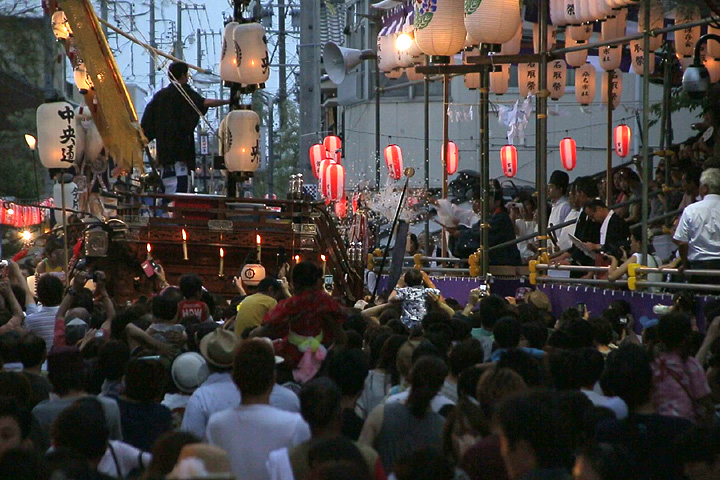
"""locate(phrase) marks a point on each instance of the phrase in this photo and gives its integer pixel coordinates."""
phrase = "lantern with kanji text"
(508, 157)
(585, 78)
(622, 140)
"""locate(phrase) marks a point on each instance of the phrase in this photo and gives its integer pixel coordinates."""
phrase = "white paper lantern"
(471, 80)
(469, 42)
(492, 21)
(580, 33)
(616, 88)
(557, 12)
(440, 27)
(252, 274)
(551, 37)
(600, 10)
(412, 73)
(387, 58)
(72, 199)
(253, 58)
(512, 46)
(585, 78)
(88, 142)
(409, 28)
(83, 82)
(574, 59)
(229, 52)
(500, 81)
(582, 10)
(686, 38)
(556, 78)
(657, 21)
(403, 57)
(242, 137)
(638, 57)
(223, 137)
(60, 26)
(56, 137)
(713, 68)
(528, 78)
(713, 46)
(614, 27)
(610, 57)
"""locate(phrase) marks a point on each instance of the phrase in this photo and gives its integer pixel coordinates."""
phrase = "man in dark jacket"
(170, 119)
(502, 230)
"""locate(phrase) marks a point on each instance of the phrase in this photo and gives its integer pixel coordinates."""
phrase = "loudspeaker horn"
(339, 60)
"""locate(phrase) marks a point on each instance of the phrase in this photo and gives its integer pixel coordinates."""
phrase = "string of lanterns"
(20, 216)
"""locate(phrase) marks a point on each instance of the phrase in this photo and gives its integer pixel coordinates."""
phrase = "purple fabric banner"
(563, 297)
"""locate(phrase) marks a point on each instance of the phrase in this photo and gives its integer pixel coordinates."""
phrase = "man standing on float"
(170, 119)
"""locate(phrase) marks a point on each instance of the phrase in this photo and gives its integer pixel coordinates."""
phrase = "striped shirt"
(42, 322)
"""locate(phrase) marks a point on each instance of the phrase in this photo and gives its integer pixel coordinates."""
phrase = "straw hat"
(202, 460)
(218, 348)
(539, 299)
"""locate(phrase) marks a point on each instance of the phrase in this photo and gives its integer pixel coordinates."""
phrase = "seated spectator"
(320, 406)
(413, 293)
(699, 451)
(142, 417)
(252, 309)
(113, 358)
(463, 355)
(191, 287)
(508, 334)
(535, 439)
(316, 324)
(647, 435)
(690, 182)
(679, 379)
(614, 232)
(269, 427)
(219, 391)
(348, 369)
(696, 234)
(15, 423)
(66, 372)
(32, 353)
(41, 321)
(188, 371)
(395, 429)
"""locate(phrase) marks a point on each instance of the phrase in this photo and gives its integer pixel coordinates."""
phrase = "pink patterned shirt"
(670, 374)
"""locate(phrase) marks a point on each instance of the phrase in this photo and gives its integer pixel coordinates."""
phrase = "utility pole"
(199, 48)
(103, 15)
(152, 43)
(309, 81)
(282, 89)
(179, 40)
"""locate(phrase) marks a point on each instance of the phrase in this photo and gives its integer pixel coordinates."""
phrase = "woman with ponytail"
(397, 429)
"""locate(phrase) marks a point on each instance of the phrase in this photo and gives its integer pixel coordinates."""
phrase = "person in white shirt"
(557, 194)
(254, 429)
(698, 231)
(41, 320)
(219, 392)
(524, 214)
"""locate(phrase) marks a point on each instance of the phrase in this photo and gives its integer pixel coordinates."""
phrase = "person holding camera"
(634, 255)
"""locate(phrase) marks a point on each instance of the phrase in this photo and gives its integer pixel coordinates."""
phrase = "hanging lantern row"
(20, 216)
(622, 136)
(244, 55)
(329, 149)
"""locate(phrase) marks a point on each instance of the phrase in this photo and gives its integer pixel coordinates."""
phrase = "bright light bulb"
(252, 63)
(26, 235)
(31, 141)
(403, 42)
(10, 211)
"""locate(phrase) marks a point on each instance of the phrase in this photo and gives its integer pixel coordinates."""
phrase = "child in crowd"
(192, 290)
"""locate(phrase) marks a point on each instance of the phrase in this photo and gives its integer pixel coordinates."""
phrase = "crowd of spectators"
(296, 384)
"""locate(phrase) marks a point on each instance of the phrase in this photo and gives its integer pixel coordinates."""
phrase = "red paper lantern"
(568, 153)
(452, 159)
(335, 182)
(394, 161)
(332, 145)
(341, 207)
(508, 156)
(322, 171)
(318, 153)
(622, 140)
